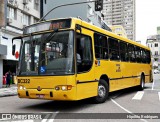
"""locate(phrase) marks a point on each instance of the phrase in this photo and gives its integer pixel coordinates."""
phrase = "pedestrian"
(8, 78)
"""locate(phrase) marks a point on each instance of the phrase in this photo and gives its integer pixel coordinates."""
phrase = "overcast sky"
(147, 18)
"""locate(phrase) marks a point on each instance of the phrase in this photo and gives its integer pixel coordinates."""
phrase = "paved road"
(123, 101)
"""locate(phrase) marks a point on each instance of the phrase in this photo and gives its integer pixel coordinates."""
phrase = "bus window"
(113, 49)
(84, 53)
(131, 51)
(144, 56)
(123, 51)
(101, 46)
(148, 56)
(138, 54)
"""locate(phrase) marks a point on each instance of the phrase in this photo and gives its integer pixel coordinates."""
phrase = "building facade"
(84, 11)
(158, 30)
(121, 12)
(15, 14)
(119, 30)
(153, 42)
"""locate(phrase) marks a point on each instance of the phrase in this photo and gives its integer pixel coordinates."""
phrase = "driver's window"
(84, 53)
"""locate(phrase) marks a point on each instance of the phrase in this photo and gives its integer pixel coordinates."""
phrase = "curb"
(8, 95)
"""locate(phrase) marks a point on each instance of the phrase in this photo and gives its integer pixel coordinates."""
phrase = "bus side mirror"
(13, 49)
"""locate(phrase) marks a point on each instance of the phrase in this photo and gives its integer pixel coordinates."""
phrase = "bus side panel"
(108, 68)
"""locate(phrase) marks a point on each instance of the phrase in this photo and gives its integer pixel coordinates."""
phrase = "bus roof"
(99, 30)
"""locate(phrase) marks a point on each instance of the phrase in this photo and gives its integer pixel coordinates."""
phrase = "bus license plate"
(40, 95)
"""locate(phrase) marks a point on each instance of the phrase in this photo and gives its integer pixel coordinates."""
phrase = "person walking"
(8, 78)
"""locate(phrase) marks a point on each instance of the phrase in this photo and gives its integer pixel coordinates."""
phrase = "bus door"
(86, 84)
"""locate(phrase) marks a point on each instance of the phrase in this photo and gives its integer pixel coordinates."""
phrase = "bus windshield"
(47, 54)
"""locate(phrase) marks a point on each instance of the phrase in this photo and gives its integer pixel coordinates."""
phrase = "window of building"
(156, 44)
(36, 4)
(25, 19)
(11, 13)
(156, 52)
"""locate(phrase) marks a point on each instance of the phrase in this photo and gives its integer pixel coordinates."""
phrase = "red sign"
(17, 55)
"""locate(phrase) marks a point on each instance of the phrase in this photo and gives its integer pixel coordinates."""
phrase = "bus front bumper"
(50, 94)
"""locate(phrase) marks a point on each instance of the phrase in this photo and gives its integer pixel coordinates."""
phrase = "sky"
(147, 19)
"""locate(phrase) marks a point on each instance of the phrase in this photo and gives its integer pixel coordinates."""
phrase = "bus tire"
(142, 83)
(103, 91)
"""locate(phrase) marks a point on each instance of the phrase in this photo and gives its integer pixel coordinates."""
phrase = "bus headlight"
(64, 88)
(20, 87)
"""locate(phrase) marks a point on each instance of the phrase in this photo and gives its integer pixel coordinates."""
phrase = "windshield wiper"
(51, 35)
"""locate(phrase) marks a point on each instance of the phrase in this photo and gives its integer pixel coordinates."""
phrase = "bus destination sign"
(51, 25)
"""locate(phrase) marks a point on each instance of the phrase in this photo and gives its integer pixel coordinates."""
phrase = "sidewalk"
(9, 91)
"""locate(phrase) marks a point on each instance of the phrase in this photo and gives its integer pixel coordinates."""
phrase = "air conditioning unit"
(9, 20)
(25, 2)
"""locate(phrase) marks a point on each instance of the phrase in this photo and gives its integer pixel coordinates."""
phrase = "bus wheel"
(103, 91)
(142, 83)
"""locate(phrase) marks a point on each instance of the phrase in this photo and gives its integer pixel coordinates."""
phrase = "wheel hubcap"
(101, 91)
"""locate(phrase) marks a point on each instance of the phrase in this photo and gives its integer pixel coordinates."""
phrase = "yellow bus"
(70, 59)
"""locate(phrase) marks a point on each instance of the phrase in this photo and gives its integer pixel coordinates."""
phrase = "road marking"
(138, 96)
(159, 95)
(50, 116)
(153, 85)
(126, 109)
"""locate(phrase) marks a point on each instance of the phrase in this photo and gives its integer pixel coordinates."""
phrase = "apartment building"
(15, 14)
(153, 42)
(119, 30)
(121, 12)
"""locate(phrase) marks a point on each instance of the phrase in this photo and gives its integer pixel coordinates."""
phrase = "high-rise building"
(15, 14)
(121, 12)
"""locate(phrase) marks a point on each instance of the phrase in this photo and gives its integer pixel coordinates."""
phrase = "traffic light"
(98, 5)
